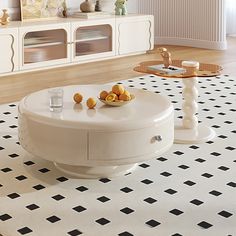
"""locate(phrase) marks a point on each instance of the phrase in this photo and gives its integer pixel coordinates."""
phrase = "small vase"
(5, 17)
(87, 6)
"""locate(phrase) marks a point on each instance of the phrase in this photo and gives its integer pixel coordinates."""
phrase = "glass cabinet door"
(41, 46)
(93, 40)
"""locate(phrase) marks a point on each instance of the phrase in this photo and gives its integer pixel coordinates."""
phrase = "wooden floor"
(13, 88)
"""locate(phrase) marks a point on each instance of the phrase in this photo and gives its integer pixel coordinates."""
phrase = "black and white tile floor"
(190, 190)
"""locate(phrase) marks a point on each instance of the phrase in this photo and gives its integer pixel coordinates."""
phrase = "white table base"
(201, 134)
(96, 171)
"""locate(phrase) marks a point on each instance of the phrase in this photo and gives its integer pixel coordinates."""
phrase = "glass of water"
(56, 99)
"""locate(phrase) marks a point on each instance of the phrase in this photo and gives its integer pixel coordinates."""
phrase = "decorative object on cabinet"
(5, 17)
(98, 6)
(87, 6)
(89, 15)
(120, 7)
(41, 9)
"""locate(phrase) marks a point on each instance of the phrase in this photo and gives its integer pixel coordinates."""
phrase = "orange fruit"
(78, 97)
(91, 103)
(126, 92)
(103, 95)
(124, 97)
(118, 89)
(111, 97)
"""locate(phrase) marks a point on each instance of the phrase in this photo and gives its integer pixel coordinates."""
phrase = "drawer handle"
(158, 138)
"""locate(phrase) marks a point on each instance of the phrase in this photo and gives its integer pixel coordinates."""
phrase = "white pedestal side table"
(101, 142)
(189, 131)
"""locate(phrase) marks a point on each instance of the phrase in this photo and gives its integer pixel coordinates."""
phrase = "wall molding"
(192, 43)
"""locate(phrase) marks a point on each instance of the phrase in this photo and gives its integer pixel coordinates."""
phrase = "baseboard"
(192, 43)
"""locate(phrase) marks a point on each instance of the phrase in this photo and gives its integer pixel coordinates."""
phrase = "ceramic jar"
(87, 6)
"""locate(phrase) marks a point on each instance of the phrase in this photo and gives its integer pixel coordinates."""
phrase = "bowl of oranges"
(117, 97)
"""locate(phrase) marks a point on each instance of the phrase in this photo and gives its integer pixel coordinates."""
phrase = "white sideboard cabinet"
(26, 46)
(134, 34)
(8, 50)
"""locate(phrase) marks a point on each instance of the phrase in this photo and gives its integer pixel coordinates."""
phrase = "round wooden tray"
(205, 70)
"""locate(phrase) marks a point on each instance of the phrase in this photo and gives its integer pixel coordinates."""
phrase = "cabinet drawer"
(108, 146)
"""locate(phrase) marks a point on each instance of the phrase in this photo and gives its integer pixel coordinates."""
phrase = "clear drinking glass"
(56, 99)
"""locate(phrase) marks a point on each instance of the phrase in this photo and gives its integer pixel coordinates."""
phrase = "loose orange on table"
(91, 103)
(78, 97)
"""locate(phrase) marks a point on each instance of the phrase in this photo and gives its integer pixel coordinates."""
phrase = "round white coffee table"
(101, 142)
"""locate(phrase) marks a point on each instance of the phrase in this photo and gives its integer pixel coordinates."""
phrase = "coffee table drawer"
(133, 144)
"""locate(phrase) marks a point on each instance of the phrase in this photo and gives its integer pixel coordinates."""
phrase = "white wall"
(107, 5)
(196, 23)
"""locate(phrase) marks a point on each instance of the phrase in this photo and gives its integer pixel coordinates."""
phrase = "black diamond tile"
(215, 154)
(25, 230)
(1, 148)
(6, 170)
(5, 217)
(225, 214)
(207, 175)
(127, 210)
(126, 190)
(152, 223)
(7, 136)
(12, 105)
(161, 159)
(2, 121)
(144, 165)
(21, 177)
(29, 163)
(74, 232)
(205, 224)
(125, 233)
(58, 197)
(200, 160)
(170, 191)
(178, 153)
(104, 180)
(196, 202)
(13, 195)
(7, 113)
(103, 221)
(32, 207)
(166, 174)
(176, 212)
(147, 181)
(224, 168)
(44, 170)
(222, 136)
(150, 200)
(62, 179)
(53, 219)
(230, 148)
(184, 167)
(13, 126)
(82, 188)
(215, 193)
(103, 199)
(189, 183)
(38, 187)
(231, 184)
(194, 147)
(79, 208)
(13, 155)
(176, 234)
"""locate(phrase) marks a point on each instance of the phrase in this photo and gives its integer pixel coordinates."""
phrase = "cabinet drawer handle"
(158, 138)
